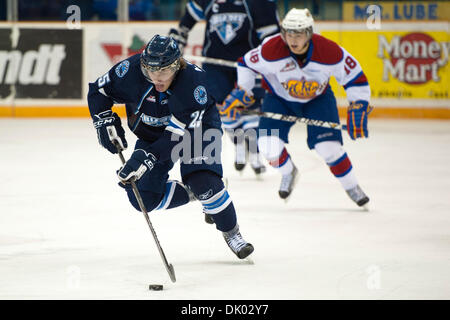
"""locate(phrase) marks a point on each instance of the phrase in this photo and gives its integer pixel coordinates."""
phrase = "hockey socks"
(283, 163)
(275, 152)
(338, 162)
(176, 195)
(209, 189)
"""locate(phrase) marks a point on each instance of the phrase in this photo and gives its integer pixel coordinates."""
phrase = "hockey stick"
(168, 266)
(272, 115)
(283, 117)
(219, 62)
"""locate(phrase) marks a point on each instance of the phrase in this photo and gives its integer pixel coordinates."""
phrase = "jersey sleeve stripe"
(359, 80)
(175, 126)
(266, 31)
(102, 91)
(195, 10)
(177, 131)
(176, 123)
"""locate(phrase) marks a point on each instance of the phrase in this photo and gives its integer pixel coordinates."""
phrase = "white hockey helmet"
(298, 20)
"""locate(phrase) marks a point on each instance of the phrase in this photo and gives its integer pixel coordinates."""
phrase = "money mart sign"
(414, 58)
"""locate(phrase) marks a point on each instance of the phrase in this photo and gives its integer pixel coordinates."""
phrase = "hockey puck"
(155, 287)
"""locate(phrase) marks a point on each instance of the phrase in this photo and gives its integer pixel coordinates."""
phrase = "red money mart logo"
(414, 58)
(114, 50)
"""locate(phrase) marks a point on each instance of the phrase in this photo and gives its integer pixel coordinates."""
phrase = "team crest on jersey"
(122, 68)
(226, 25)
(200, 95)
(289, 66)
(302, 89)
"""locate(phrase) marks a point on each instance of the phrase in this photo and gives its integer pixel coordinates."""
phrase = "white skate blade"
(249, 260)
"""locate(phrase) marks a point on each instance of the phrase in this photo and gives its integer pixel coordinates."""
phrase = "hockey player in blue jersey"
(166, 100)
(233, 27)
(297, 65)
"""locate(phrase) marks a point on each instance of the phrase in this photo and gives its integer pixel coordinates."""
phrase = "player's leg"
(251, 132)
(221, 80)
(157, 192)
(209, 189)
(273, 135)
(329, 145)
(203, 175)
(246, 141)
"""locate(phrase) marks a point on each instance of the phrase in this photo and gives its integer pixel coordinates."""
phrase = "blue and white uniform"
(232, 28)
(161, 120)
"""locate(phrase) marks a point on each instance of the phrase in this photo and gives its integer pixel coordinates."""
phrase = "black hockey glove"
(180, 36)
(109, 129)
(139, 162)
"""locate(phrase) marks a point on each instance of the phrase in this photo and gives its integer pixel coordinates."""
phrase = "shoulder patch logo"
(200, 95)
(122, 68)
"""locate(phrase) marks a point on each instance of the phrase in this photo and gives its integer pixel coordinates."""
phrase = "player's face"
(297, 41)
(162, 79)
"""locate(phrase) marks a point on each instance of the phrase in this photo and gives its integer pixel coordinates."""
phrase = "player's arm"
(193, 13)
(101, 97)
(349, 74)
(265, 18)
(242, 95)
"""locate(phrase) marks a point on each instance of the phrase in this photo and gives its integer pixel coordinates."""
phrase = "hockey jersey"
(232, 26)
(154, 116)
(298, 81)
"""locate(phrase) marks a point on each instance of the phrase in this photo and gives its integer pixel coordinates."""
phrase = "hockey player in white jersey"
(296, 66)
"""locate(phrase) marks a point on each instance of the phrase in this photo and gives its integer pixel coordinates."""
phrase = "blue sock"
(209, 189)
(175, 195)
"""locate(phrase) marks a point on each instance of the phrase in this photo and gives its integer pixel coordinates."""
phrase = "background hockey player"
(232, 28)
(165, 97)
(297, 65)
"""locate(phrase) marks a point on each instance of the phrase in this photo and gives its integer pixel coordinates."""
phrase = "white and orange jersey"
(286, 77)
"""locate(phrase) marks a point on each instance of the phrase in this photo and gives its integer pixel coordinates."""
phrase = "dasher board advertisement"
(40, 63)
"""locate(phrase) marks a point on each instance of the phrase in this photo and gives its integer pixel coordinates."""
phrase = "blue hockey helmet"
(160, 53)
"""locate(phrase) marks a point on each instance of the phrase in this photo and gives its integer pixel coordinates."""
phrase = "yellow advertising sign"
(399, 64)
(397, 11)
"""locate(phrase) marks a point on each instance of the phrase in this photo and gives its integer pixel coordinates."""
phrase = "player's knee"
(204, 182)
(209, 189)
(150, 199)
(330, 151)
(270, 146)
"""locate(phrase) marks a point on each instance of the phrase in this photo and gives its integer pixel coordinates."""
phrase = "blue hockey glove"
(238, 97)
(357, 114)
(109, 129)
(180, 36)
(139, 162)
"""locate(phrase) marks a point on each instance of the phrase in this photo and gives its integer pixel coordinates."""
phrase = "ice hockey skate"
(288, 182)
(208, 218)
(358, 196)
(241, 248)
(256, 164)
(240, 159)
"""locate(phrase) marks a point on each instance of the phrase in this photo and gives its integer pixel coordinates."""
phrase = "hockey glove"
(357, 114)
(238, 97)
(139, 162)
(180, 36)
(109, 129)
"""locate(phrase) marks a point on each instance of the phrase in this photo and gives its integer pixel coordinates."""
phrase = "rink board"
(45, 68)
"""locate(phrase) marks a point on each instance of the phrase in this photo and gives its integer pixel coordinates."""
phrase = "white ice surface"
(67, 230)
